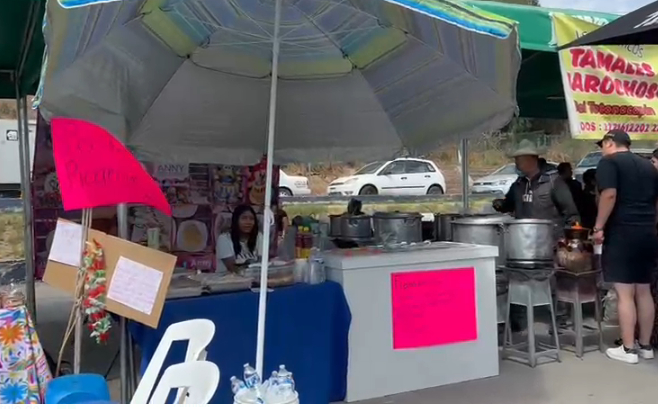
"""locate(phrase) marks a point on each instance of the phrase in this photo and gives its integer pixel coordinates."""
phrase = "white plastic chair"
(199, 333)
(199, 379)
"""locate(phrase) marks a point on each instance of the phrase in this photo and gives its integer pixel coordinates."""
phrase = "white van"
(10, 167)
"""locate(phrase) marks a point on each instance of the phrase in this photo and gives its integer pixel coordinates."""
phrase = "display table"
(306, 330)
(422, 317)
(24, 371)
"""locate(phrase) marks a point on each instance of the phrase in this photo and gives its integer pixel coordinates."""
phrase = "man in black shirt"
(588, 211)
(626, 226)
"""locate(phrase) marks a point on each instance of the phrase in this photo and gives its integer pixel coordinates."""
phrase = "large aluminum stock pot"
(485, 230)
(530, 242)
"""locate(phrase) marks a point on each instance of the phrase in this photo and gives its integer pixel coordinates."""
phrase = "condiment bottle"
(307, 243)
(299, 242)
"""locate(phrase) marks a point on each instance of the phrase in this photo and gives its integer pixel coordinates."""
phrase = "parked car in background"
(402, 176)
(499, 182)
(293, 185)
(10, 169)
(591, 160)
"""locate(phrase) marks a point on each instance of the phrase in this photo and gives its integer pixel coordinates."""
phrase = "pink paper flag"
(94, 169)
(433, 308)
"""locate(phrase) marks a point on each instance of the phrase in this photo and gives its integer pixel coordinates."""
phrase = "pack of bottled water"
(279, 388)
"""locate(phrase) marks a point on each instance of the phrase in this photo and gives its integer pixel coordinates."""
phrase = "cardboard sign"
(67, 244)
(145, 300)
(432, 308)
(94, 169)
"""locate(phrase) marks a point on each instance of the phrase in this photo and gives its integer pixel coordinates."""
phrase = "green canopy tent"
(21, 56)
(21, 47)
(539, 87)
(21, 53)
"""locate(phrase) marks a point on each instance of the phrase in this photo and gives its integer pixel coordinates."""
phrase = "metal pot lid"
(396, 215)
(357, 217)
(531, 221)
(447, 215)
(484, 220)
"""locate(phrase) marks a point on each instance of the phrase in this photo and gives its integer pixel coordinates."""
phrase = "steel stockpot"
(484, 230)
(530, 242)
(396, 227)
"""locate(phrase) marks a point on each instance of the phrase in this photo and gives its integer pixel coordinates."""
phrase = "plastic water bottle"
(251, 377)
(286, 385)
(274, 381)
(237, 385)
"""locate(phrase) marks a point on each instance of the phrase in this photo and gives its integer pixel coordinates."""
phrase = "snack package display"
(228, 184)
(145, 218)
(192, 229)
(12, 295)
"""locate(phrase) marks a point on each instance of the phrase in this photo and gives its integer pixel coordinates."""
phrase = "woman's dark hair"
(589, 177)
(235, 229)
(655, 153)
(563, 167)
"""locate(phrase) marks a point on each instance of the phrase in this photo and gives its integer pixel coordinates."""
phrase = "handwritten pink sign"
(94, 169)
(433, 308)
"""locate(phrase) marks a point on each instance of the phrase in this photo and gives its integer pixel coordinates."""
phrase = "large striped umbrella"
(212, 80)
(189, 80)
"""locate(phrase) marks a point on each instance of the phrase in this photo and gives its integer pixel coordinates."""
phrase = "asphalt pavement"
(11, 272)
(10, 205)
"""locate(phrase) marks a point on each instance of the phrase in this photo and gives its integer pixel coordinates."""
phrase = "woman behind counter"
(244, 243)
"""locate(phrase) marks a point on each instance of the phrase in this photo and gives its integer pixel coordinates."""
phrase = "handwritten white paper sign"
(135, 285)
(66, 247)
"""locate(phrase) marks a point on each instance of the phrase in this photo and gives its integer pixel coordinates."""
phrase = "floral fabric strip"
(24, 371)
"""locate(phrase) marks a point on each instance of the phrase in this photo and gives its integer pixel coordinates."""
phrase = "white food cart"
(422, 316)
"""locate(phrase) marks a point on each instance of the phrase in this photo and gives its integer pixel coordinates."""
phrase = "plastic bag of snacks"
(12, 295)
(610, 313)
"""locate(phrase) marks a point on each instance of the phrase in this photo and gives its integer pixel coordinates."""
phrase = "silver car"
(591, 160)
(499, 182)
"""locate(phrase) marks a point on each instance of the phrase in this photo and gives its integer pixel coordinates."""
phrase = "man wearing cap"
(626, 226)
(538, 193)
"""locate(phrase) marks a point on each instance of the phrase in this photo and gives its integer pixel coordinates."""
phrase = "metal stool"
(501, 301)
(578, 289)
(530, 288)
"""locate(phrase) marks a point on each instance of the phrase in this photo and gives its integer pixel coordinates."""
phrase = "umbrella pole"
(124, 362)
(463, 158)
(269, 218)
(26, 171)
(26, 194)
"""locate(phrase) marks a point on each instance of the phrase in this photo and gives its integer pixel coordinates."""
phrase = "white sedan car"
(499, 182)
(293, 185)
(403, 176)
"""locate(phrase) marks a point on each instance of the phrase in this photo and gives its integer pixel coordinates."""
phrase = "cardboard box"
(63, 276)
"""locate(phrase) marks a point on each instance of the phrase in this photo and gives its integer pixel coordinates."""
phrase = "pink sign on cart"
(432, 308)
(94, 169)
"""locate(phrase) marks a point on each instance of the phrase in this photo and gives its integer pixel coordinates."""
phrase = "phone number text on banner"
(607, 87)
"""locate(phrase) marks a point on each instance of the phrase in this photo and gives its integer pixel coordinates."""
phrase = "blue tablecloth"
(306, 329)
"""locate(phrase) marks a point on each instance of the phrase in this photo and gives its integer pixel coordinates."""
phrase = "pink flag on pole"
(95, 169)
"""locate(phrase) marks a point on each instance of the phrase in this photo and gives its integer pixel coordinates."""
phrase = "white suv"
(402, 176)
(293, 185)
